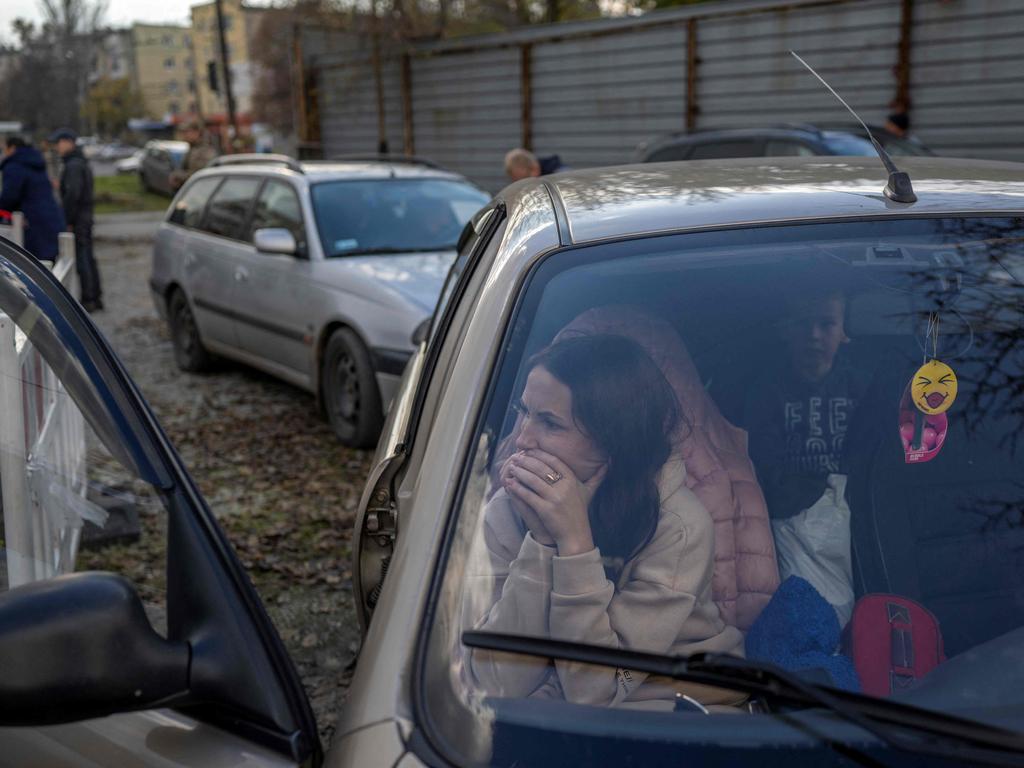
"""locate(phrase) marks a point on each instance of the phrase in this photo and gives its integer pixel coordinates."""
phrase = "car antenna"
(898, 187)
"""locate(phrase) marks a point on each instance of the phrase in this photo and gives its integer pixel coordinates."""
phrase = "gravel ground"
(281, 486)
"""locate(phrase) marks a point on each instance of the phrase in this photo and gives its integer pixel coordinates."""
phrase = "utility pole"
(226, 66)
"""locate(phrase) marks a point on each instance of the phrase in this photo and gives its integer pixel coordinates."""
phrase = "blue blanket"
(798, 631)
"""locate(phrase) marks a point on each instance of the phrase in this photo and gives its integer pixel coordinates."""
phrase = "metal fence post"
(18, 526)
(526, 93)
(692, 61)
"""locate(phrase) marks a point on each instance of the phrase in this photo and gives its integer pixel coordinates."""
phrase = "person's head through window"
(594, 429)
(521, 164)
(812, 332)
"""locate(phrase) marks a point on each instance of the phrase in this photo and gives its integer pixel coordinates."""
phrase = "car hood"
(417, 278)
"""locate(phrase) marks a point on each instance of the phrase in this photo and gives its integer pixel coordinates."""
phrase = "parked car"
(698, 267)
(779, 141)
(317, 273)
(116, 150)
(131, 164)
(161, 158)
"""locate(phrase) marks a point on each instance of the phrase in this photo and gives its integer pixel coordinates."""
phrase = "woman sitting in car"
(594, 536)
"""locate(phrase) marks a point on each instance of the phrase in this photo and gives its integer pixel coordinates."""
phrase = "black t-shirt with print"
(797, 429)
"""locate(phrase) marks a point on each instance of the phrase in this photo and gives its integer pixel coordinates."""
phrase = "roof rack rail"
(388, 158)
(256, 158)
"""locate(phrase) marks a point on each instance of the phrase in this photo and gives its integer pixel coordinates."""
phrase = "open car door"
(153, 649)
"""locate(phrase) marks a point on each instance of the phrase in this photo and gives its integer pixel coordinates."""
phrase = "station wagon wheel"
(350, 391)
(189, 352)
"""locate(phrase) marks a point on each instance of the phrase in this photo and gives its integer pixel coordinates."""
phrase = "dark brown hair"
(621, 401)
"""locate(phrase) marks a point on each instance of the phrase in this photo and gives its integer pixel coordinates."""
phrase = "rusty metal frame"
(903, 54)
(692, 60)
(407, 113)
(526, 94)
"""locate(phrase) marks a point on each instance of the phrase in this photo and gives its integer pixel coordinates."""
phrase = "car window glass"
(713, 150)
(188, 208)
(278, 207)
(840, 143)
(786, 148)
(393, 215)
(670, 153)
(229, 207)
(634, 414)
(74, 497)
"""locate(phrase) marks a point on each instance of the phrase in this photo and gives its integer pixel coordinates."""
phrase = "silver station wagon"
(317, 273)
(714, 464)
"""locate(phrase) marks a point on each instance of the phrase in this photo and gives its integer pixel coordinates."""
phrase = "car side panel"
(210, 271)
(275, 305)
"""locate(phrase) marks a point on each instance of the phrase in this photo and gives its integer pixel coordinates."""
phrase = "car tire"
(349, 391)
(189, 352)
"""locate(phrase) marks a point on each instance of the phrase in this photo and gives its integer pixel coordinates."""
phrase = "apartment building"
(164, 69)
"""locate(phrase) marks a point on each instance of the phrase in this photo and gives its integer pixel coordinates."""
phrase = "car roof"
(608, 203)
(340, 170)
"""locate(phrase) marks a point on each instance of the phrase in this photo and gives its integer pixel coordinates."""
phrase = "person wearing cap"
(199, 154)
(26, 188)
(76, 194)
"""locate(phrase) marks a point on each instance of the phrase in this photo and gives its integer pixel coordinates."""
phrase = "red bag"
(894, 642)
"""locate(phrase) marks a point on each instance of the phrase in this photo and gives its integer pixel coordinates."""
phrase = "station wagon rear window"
(798, 445)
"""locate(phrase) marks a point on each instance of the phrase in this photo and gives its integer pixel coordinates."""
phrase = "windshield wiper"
(958, 737)
(384, 250)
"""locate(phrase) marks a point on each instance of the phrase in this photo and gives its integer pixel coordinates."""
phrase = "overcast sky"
(119, 13)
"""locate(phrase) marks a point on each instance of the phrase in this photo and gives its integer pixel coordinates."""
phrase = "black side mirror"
(80, 646)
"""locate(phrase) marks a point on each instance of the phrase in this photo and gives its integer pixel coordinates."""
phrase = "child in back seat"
(796, 409)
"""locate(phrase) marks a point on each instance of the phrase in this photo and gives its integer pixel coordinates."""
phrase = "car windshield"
(393, 215)
(797, 444)
(841, 143)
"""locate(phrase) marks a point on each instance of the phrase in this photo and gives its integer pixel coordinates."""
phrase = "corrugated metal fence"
(592, 91)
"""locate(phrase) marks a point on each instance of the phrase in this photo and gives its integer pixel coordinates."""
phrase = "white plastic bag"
(815, 545)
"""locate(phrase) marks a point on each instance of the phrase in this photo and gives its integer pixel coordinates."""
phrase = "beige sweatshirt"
(662, 604)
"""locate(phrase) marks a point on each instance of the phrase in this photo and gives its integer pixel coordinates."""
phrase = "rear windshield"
(728, 442)
(393, 215)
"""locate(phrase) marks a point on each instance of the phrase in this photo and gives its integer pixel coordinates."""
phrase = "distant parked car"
(130, 164)
(317, 273)
(160, 158)
(116, 150)
(774, 142)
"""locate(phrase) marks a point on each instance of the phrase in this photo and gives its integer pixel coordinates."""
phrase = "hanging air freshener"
(922, 415)
(933, 387)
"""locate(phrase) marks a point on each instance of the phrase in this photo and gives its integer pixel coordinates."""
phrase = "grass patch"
(123, 193)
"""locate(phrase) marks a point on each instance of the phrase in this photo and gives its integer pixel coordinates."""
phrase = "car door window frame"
(437, 335)
(247, 218)
(302, 246)
(206, 205)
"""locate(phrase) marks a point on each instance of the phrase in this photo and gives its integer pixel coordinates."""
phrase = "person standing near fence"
(26, 188)
(76, 193)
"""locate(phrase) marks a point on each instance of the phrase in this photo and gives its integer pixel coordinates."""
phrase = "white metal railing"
(14, 231)
(42, 449)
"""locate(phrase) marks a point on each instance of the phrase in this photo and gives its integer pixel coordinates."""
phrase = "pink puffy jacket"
(719, 470)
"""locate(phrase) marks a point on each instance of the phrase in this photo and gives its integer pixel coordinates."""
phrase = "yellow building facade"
(164, 69)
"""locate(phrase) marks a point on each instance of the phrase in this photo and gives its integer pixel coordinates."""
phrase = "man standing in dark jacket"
(26, 188)
(76, 194)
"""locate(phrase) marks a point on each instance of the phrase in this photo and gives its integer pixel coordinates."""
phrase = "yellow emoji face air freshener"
(933, 388)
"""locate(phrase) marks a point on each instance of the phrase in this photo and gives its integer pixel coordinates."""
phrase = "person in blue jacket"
(27, 188)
